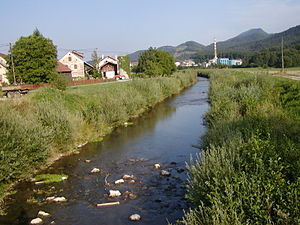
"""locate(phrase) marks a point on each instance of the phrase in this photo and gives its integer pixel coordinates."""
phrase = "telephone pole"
(282, 60)
(12, 64)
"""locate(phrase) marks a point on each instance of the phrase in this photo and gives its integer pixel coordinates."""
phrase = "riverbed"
(166, 135)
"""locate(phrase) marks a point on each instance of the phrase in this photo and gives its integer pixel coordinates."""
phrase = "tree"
(34, 59)
(125, 63)
(155, 62)
(95, 58)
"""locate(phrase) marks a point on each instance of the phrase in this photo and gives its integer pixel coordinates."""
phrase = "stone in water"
(121, 181)
(135, 217)
(156, 166)
(43, 214)
(165, 173)
(36, 221)
(114, 193)
(95, 170)
(126, 177)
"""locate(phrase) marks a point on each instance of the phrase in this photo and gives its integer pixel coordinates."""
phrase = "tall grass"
(49, 122)
(249, 170)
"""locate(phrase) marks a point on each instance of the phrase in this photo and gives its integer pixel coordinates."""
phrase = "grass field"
(38, 128)
(249, 169)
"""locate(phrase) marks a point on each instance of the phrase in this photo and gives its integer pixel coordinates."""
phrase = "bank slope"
(38, 128)
(249, 169)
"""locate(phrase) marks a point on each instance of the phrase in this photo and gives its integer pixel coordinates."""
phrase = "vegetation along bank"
(249, 169)
(39, 127)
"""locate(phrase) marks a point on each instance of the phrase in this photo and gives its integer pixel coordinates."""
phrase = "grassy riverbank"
(40, 127)
(249, 170)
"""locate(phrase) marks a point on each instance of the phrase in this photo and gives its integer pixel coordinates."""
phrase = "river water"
(165, 135)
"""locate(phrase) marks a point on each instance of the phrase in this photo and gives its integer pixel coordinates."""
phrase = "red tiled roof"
(62, 67)
(2, 55)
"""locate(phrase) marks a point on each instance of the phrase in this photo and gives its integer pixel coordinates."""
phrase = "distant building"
(108, 67)
(186, 63)
(3, 69)
(229, 62)
(80, 68)
(132, 64)
(64, 70)
(221, 61)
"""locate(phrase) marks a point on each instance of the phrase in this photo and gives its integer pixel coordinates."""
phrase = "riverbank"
(41, 127)
(248, 171)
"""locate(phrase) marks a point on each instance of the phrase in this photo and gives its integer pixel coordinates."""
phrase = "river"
(165, 135)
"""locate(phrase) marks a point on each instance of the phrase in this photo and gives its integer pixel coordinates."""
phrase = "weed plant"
(249, 169)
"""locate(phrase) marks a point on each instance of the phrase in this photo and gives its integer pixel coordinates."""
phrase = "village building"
(3, 69)
(64, 70)
(108, 67)
(80, 68)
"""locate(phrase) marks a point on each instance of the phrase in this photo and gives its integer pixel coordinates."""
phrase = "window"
(70, 58)
(75, 67)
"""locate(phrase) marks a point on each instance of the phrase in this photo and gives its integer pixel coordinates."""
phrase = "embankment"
(40, 127)
(249, 169)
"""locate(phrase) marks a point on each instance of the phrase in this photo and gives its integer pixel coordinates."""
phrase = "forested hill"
(239, 46)
(183, 51)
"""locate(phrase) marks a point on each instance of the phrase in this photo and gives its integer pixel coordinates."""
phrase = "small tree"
(155, 62)
(95, 58)
(34, 59)
(125, 63)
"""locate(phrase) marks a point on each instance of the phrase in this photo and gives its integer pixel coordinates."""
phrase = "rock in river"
(43, 214)
(95, 170)
(36, 221)
(114, 193)
(121, 181)
(135, 217)
(165, 173)
(157, 166)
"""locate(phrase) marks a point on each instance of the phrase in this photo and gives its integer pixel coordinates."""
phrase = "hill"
(183, 51)
(238, 46)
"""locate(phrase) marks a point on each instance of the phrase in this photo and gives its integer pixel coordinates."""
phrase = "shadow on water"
(164, 135)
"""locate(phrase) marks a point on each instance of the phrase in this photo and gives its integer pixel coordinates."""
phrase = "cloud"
(272, 15)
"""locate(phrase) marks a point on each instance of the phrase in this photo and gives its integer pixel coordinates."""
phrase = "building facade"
(108, 67)
(74, 60)
(3, 69)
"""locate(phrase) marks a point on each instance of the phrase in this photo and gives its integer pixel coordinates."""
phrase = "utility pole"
(12, 64)
(282, 60)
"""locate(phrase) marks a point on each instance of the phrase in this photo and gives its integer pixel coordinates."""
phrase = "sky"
(119, 27)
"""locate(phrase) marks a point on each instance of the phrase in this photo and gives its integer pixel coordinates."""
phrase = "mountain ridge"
(250, 40)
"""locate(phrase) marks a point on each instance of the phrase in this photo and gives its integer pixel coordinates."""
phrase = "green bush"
(248, 172)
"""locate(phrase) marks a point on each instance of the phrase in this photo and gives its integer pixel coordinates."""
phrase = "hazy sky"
(124, 26)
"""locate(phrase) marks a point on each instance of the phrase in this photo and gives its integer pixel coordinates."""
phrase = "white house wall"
(78, 72)
(3, 71)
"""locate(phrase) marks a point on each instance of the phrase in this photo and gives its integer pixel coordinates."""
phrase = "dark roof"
(62, 68)
(79, 54)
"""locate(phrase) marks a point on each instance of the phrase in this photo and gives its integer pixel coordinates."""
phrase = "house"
(3, 69)
(64, 70)
(108, 67)
(80, 68)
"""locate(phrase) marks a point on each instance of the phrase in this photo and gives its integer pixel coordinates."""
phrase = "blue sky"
(124, 26)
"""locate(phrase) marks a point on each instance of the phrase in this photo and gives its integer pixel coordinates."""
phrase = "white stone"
(157, 166)
(121, 181)
(95, 170)
(114, 193)
(60, 199)
(126, 177)
(135, 217)
(43, 214)
(64, 178)
(36, 221)
(87, 160)
(165, 173)
(56, 199)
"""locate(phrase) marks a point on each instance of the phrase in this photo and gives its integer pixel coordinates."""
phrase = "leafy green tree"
(156, 62)
(34, 59)
(125, 63)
